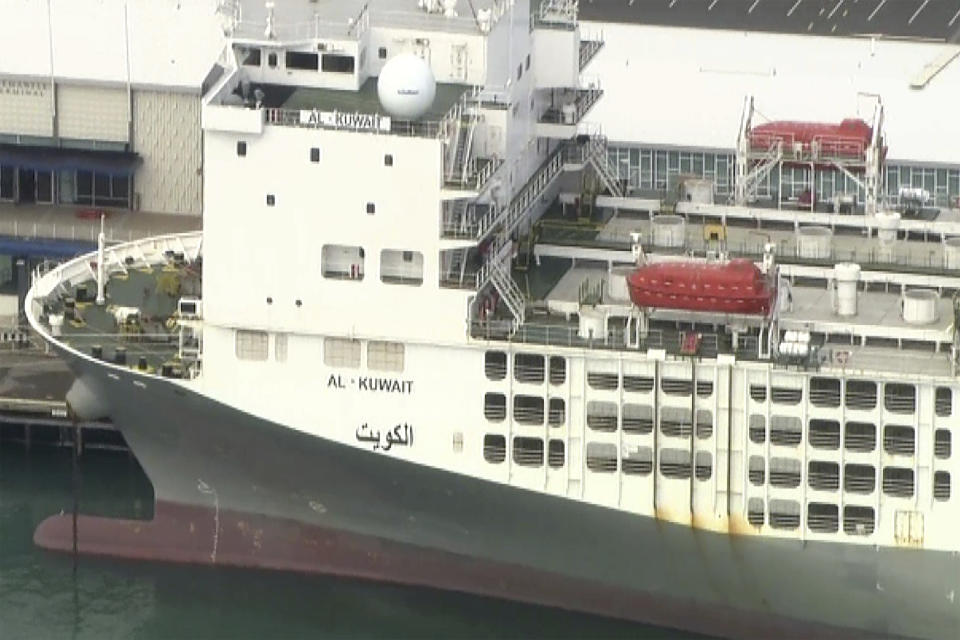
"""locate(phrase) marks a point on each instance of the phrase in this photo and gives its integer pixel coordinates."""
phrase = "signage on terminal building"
(23, 87)
(344, 120)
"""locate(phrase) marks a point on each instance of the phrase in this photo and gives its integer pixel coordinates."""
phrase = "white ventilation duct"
(919, 306)
(846, 276)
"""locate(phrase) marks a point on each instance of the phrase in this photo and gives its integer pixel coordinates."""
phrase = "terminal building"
(674, 105)
(100, 102)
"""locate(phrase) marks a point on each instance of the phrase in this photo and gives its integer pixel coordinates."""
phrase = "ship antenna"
(636, 247)
(101, 285)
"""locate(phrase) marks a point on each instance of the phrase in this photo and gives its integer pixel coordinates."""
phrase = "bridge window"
(301, 60)
(336, 63)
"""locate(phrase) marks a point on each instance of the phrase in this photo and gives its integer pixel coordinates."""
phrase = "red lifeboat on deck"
(849, 139)
(737, 286)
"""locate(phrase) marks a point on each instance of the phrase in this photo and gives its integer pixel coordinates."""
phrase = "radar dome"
(406, 86)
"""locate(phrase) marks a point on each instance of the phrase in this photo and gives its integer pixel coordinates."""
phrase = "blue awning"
(44, 248)
(58, 159)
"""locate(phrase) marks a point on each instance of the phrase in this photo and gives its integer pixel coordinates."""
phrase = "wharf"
(33, 409)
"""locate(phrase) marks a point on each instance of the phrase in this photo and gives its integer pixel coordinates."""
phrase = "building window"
(528, 452)
(251, 345)
(528, 62)
(280, 347)
(341, 352)
(271, 200)
(385, 356)
(315, 154)
(241, 148)
(941, 485)
(401, 267)
(371, 208)
(343, 262)
(494, 447)
(382, 53)
(388, 160)
(519, 71)
(272, 60)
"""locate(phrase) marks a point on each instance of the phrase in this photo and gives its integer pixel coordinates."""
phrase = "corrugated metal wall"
(26, 107)
(167, 135)
(92, 113)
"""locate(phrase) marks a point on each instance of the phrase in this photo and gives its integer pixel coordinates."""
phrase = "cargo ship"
(402, 350)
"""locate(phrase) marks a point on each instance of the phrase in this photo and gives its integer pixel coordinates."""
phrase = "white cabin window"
(401, 267)
(252, 345)
(341, 352)
(385, 356)
(342, 262)
(280, 347)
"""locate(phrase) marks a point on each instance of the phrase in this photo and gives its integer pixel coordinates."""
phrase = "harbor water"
(47, 595)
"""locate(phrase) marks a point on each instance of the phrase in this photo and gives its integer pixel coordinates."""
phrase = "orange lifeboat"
(736, 286)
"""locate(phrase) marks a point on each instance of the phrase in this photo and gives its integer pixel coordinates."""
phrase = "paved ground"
(33, 375)
(933, 19)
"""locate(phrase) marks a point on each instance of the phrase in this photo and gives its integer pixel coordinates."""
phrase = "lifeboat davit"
(736, 286)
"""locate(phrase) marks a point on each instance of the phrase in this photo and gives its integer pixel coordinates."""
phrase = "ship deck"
(149, 338)
(569, 263)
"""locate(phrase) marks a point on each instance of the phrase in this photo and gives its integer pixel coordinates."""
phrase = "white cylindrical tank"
(919, 306)
(406, 86)
(951, 253)
(669, 231)
(591, 324)
(814, 242)
(617, 283)
(846, 275)
(887, 224)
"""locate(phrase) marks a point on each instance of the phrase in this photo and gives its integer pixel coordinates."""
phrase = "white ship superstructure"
(411, 336)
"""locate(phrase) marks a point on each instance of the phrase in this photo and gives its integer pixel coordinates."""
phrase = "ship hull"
(234, 489)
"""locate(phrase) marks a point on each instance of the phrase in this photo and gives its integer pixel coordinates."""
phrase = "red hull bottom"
(186, 534)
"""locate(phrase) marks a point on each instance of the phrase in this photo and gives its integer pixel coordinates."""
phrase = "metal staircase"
(459, 153)
(597, 157)
(509, 291)
(748, 181)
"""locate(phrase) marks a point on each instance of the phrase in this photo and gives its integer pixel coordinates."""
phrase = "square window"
(315, 154)
(528, 62)
(408, 256)
(271, 200)
(241, 148)
(382, 53)
(371, 208)
(388, 160)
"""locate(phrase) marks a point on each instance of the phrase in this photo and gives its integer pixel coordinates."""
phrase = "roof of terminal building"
(933, 19)
(172, 43)
(686, 87)
(329, 14)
